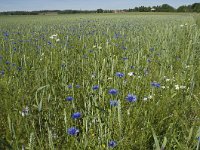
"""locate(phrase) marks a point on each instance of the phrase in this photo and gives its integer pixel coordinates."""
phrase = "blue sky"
(11, 5)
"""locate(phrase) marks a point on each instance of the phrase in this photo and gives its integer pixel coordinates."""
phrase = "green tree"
(167, 8)
(196, 7)
(100, 10)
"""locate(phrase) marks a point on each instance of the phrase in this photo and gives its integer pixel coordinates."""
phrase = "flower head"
(6, 33)
(125, 58)
(112, 144)
(155, 84)
(25, 111)
(113, 103)
(119, 74)
(78, 86)
(131, 98)
(113, 91)
(76, 115)
(145, 98)
(182, 87)
(131, 74)
(7, 63)
(54, 36)
(19, 68)
(152, 49)
(132, 67)
(177, 87)
(69, 98)
(73, 131)
(69, 86)
(2, 72)
(95, 87)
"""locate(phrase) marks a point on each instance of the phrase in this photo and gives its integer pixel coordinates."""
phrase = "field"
(85, 82)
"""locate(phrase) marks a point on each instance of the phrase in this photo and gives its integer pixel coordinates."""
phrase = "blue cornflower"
(116, 36)
(119, 74)
(113, 103)
(6, 34)
(73, 131)
(69, 98)
(63, 65)
(76, 115)
(124, 48)
(19, 68)
(91, 51)
(7, 63)
(152, 49)
(125, 58)
(198, 138)
(113, 91)
(78, 86)
(69, 86)
(132, 67)
(148, 60)
(131, 98)
(2, 72)
(49, 43)
(155, 84)
(112, 144)
(95, 87)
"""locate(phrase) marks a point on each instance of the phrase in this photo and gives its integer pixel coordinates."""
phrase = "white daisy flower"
(177, 87)
(131, 74)
(150, 96)
(53, 36)
(182, 87)
(145, 99)
(163, 87)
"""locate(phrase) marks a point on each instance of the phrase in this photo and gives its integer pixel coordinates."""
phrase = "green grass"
(197, 19)
(90, 52)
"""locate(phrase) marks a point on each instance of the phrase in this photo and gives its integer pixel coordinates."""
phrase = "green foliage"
(88, 50)
(197, 19)
(165, 8)
(184, 9)
(190, 8)
(196, 7)
(100, 10)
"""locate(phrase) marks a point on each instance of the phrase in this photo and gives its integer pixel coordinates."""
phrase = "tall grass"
(197, 19)
(38, 73)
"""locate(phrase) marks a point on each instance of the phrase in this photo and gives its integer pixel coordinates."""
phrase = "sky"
(30, 5)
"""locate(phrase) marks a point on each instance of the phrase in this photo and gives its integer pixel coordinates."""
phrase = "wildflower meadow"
(100, 81)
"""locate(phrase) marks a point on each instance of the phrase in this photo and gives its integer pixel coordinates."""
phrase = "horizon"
(39, 5)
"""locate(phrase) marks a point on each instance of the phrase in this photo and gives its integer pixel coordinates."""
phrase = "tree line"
(162, 8)
(167, 8)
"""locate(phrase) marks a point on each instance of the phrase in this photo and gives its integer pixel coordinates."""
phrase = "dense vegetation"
(163, 8)
(100, 81)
